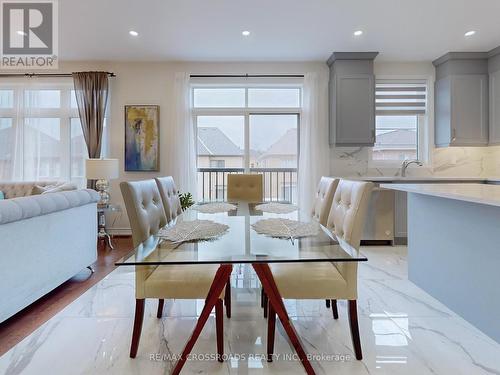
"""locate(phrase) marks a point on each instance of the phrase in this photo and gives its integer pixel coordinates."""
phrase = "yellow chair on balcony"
(245, 187)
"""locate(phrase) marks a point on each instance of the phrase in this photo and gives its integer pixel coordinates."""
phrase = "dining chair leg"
(136, 333)
(227, 299)
(334, 309)
(159, 313)
(266, 303)
(353, 323)
(327, 303)
(271, 328)
(219, 325)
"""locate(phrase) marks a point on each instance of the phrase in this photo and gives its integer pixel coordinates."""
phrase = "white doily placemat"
(276, 208)
(195, 230)
(213, 208)
(285, 228)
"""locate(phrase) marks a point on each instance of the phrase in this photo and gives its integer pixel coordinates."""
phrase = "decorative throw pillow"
(37, 189)
(64, 186)
(2, 195)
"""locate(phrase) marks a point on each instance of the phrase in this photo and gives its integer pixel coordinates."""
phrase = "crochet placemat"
(285, 228)
(276, 208)
(194, 230)
(213, 208)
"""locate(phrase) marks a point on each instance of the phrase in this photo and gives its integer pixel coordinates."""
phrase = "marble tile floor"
(403, 331)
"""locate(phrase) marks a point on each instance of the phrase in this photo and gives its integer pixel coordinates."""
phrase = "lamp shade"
(101, 169)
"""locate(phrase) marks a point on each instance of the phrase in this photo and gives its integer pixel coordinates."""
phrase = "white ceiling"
(298, 30)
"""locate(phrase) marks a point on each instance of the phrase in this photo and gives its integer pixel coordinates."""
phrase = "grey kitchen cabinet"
(352, 98)
(400, 214)
(461, 100)
(494, 85)
(380, 216)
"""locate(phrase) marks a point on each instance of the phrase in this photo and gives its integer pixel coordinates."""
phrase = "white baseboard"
(119, 231)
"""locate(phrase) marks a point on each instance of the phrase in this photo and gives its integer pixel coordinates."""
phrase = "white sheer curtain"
(35, 141)
(182, 138)
(36, 137)
(11, 135)
(314, 158)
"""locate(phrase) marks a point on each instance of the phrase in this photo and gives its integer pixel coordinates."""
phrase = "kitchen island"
(454, 247)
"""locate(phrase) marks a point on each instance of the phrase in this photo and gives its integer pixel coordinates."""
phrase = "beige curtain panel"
(91, 91)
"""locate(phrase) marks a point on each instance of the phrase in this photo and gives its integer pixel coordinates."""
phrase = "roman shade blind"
(403, 98)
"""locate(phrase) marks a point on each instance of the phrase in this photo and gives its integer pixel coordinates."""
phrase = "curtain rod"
(31, 75)
(247, 76)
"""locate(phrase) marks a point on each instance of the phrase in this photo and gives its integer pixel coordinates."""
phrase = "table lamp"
(102, 170)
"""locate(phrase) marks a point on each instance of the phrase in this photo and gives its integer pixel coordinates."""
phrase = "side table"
(102, 234)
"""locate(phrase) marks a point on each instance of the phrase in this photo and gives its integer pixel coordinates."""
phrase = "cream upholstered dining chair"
(326, 280)
(320, 210)
(172, 206)
(170, 197)
(322, 203)
(323, 199)
(245, 187)
(147, 216)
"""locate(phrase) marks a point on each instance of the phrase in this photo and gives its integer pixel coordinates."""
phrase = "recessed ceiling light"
(358, 33)
(22, 33)
(133, 33)
(245, 33)
(470, 33)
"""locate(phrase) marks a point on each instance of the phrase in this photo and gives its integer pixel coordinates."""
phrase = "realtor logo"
(29, 34)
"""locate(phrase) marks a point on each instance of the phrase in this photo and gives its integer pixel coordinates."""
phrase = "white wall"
(152, 83)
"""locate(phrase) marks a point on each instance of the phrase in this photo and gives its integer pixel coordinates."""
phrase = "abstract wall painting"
(142, 138)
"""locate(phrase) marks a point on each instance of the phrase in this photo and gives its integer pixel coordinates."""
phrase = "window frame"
(65, 113)
(423, 123)
(246, 111)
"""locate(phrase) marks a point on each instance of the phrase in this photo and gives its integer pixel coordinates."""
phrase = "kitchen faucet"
(407, 163)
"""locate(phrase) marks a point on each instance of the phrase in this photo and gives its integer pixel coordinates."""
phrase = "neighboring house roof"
(212, 141)
(397, 139)
(286, 145)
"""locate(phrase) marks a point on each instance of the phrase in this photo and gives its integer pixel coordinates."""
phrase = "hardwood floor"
(16, 328)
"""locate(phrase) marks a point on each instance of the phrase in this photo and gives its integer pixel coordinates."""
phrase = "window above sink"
(401, 122)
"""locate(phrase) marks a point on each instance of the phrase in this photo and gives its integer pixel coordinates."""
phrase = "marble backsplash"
(444, 162)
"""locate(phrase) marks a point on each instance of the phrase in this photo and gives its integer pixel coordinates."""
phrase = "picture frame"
(142, 138)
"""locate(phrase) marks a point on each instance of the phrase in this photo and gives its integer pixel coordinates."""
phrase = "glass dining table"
(238, 245)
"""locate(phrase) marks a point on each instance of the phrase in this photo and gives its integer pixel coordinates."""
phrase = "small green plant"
(186, 200)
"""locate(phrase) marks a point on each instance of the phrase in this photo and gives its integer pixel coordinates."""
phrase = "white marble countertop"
(470, 192)
(409, 179)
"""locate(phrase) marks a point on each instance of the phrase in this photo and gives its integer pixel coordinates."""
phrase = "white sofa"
(44, 241)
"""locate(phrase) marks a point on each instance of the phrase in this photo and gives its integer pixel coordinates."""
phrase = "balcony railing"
(279, 184)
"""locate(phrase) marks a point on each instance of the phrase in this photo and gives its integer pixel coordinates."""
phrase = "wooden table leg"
(220, 280)
(274, 298)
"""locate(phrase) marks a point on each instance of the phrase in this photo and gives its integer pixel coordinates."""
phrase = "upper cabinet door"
(461, 110)
(469, 110)
(352, 98)
(495, 108)
(354, 110)
(442, 128)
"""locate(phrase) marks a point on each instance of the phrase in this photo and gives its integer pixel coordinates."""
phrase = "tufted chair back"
(347, 220)
(245, 187)
(144, 208)
(170, 197)
(323, 199)
(348, 212)
(21, 189)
